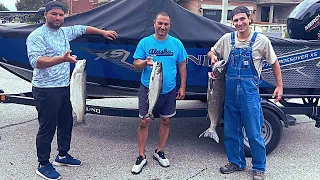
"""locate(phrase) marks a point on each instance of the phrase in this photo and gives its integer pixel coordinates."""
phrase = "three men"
(48, 51)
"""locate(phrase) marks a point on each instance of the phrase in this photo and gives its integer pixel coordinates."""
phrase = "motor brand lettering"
(312, 24)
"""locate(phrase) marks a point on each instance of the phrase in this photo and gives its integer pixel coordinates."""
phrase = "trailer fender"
(267, 104)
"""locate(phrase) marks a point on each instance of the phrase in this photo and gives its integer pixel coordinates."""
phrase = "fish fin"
(211, 134)
(208, 117)
(74, 116)
(73, 75)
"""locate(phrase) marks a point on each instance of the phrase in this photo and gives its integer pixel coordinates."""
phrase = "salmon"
(78, 91)
(215, 98)
(155, 87)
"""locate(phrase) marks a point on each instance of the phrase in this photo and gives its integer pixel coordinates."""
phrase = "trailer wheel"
(271, 132)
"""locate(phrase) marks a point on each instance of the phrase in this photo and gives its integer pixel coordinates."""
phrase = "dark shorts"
(165, 106)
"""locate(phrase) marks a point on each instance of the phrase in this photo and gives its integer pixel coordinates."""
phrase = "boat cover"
(133, 19)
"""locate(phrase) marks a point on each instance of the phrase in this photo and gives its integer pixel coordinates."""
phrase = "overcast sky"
(10, 4)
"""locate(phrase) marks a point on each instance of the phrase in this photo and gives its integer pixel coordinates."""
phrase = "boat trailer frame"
(285, 112)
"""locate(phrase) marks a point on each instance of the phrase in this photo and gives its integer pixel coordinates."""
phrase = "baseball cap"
(55, 5)
(240, 9)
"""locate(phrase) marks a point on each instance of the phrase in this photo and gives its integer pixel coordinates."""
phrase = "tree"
(34, 5)
(3, 7)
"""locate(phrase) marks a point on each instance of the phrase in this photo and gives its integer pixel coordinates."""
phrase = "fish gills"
(78, 91)
(155, 87)
(215, 99)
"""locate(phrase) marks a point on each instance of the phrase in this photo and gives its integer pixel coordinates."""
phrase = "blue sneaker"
(67, 161)
(48, 172)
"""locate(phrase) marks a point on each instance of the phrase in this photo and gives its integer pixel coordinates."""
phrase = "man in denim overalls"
(245, 50)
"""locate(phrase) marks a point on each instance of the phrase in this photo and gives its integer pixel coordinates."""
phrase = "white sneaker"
(159, 156)
(140, 163)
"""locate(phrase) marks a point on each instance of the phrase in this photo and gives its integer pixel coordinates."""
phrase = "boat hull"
(110, 68)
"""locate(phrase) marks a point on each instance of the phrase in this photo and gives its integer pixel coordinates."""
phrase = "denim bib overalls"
(243, 108)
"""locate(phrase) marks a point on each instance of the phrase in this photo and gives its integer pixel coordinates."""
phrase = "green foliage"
(34, 5)
(3, 7)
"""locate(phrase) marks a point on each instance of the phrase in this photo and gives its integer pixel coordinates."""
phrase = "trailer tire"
(271, 132)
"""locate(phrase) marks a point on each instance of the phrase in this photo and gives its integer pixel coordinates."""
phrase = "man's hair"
(162, 13)
(55, 5)
(240, 9)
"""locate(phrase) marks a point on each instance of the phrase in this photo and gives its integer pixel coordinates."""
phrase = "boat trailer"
(276, 116)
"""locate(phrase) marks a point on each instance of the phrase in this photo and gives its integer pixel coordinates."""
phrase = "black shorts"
(165, 106)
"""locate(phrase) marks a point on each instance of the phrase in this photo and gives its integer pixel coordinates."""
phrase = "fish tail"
(211, 134)
(81, 120)
(148, 115)
(78, 119)
(215, 136)
(76, 123)
(152, 116)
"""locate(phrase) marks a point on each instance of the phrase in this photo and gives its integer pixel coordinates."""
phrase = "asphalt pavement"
(107, 146)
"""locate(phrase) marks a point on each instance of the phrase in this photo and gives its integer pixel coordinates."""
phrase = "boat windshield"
(299, 10)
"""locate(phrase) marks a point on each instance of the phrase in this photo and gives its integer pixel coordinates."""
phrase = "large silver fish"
(155, 87)
(215, 98)
(78, 90)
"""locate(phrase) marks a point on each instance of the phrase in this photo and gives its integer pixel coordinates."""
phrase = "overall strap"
(254, 37)
(233, 42)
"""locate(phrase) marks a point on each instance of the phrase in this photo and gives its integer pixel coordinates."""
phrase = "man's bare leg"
(163, 132)
(143, 129)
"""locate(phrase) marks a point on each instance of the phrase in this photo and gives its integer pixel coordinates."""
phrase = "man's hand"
(112, 35)
(212, 57)
(149, 61)
(181, 93)
(67, 57)
(278, 92)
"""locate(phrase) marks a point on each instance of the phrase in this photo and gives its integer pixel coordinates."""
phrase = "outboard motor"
(304, 21)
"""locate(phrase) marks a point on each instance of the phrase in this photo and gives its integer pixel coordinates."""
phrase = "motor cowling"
(304, 21)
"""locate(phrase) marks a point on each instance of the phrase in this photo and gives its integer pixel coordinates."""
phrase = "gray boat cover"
(133, 19)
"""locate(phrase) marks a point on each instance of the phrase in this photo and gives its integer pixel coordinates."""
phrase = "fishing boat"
(110, 71)
(109, 63)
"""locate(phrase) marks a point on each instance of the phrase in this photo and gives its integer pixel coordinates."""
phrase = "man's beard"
(54, 26)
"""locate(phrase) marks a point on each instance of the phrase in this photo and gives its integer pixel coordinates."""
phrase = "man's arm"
(278, 92)
(36, 48)
(109, 34)
(183, 78)
(217, 50)
(141, 64)
(271, 58)
(46, 62)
